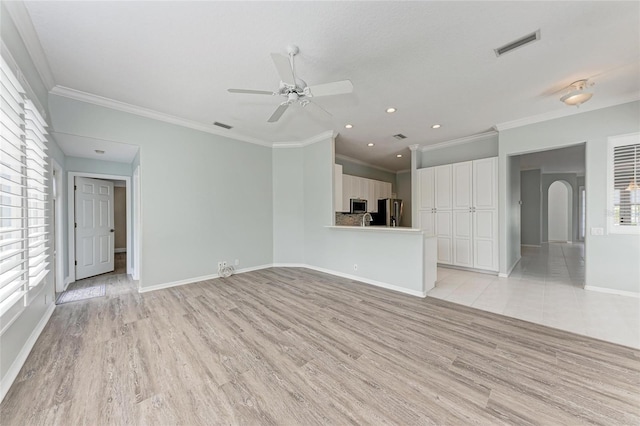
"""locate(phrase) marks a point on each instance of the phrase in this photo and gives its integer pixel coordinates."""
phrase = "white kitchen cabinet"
(463, 238)
(462, 186)
(459, 203)
(485, 183)
(428, 221)
(444, 232)
(443, 187)
(426, 187)
(386, 190)
(338, 202)
(365, 189)
(485, 239)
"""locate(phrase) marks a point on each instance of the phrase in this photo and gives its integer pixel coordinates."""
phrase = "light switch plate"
(597, 231)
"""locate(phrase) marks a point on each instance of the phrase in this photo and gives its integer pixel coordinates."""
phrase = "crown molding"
(459, 141)
(630, 97)
(20, 17)
(414, 147)
(313, 139)
(149, 113)
(403, 171)
(362, 163)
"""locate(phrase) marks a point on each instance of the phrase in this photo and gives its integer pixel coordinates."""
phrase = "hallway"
(546, 287)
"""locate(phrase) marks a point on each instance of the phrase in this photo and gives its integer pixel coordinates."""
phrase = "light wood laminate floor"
(298, 347)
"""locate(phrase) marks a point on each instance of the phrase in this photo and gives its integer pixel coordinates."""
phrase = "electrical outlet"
(355, 266)
(237, 262)
(597, 231)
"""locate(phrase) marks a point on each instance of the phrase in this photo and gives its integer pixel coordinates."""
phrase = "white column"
(415, 164)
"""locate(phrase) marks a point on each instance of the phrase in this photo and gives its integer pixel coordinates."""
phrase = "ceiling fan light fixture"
(578, 93)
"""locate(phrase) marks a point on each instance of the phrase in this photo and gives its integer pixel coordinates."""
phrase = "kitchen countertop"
(377, 228)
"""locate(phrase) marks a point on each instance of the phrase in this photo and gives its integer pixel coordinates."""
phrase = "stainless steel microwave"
(358, 206)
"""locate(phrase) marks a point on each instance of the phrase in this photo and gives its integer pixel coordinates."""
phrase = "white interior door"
(94, 227)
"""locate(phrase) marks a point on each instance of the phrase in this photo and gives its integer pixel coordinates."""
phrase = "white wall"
(611, 260)
(205, 198)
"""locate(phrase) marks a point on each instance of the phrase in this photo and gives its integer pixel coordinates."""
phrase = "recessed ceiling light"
(348, 126)
(370, 144)
(99, 151)
(435, 126)
(390, 110)
(399, 155)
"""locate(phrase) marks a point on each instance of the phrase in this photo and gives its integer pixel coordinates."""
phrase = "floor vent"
(224, 126)
(522, 41)
(399, 136)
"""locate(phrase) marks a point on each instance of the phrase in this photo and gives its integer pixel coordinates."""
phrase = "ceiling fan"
(295, 89)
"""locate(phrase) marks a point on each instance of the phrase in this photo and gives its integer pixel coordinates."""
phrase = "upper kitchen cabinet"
(426, 187)
(443, 186)
(485, 183)
(365, 189)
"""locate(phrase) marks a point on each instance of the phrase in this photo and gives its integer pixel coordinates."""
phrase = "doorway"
(123, 182)
(559, 212)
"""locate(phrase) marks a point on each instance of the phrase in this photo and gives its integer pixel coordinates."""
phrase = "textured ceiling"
(433, 61)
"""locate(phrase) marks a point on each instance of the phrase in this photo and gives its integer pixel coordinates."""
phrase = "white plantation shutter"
(24, 244)
(37, 197)
(13, 179)
(624, 183)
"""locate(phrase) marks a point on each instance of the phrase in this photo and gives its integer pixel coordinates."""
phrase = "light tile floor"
(546, 287)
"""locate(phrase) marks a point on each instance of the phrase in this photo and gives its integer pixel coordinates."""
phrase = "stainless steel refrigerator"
(390, 211)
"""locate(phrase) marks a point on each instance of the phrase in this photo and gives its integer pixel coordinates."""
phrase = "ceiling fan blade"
(335, 88)
(252, 92)
(284, 68)
(278, 113)
(318, 107)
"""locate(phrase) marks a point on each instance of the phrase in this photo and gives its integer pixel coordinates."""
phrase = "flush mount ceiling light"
(577, 93)
(391, 110)
(348, 126)
(99, 151)
(370, 144)
(435, 126)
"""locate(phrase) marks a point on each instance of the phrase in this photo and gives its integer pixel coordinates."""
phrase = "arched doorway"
(560, 211)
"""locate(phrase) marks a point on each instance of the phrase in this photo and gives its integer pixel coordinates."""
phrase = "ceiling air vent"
(522, 41)
(224, 126)
(399, 136)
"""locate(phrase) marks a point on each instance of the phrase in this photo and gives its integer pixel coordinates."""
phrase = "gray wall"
(473, 150)
(611, 260)
(404, 193)
(361, 170)
(531, 209)
(288, 206)
(572, 180)
(205, 198)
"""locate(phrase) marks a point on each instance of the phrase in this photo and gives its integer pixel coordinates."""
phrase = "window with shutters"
(624, 184)
(24, 245)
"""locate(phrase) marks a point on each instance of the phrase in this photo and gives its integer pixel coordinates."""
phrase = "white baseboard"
(198, 279)
(288, 265)
(369, 281)
(17, 364)
(612, 291)
(501, 275)
(120, 250)
(67, 281)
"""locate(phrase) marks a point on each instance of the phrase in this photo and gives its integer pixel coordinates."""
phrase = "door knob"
(112, 230)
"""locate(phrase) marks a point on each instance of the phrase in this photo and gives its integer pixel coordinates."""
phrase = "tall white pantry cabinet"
(459, 204)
